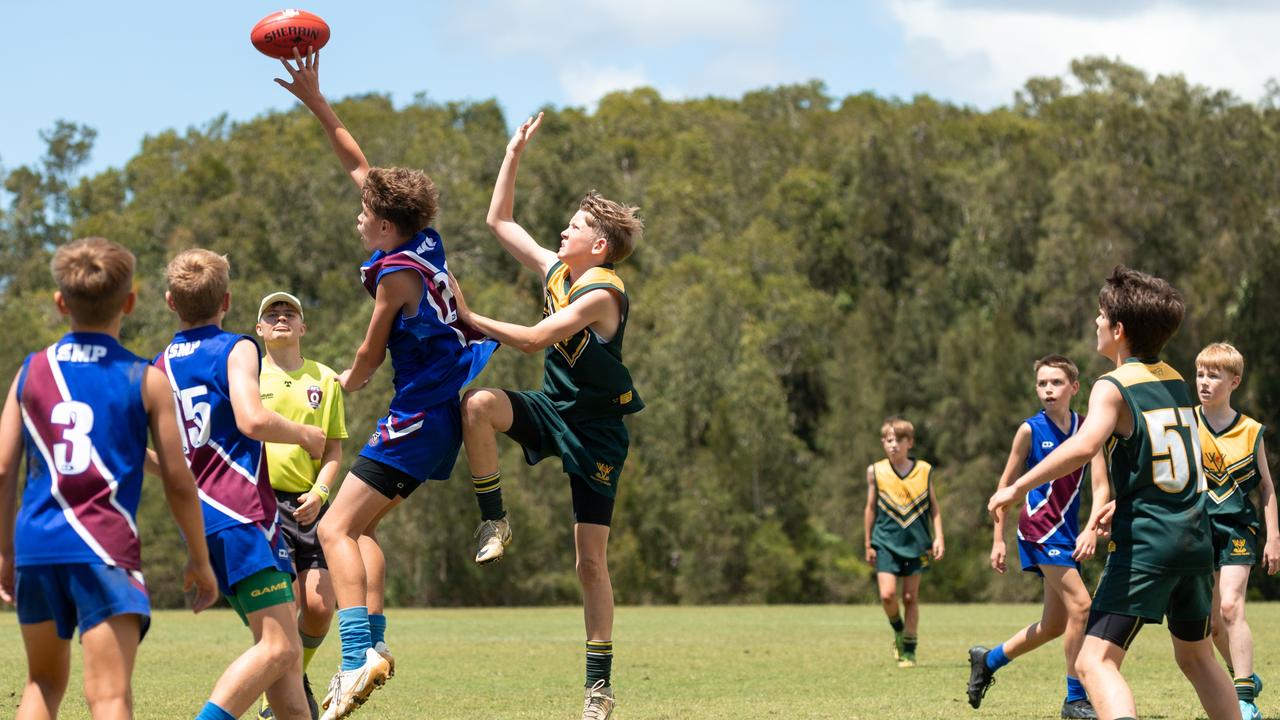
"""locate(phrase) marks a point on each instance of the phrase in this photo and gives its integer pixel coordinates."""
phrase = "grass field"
(672, 663)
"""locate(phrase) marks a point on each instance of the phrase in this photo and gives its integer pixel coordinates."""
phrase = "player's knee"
(52, 685)
(592, 569)
(1053, 626)
(909, 598)
(1232, 609)
(282, 653)
(109, 701)
(317, 611)
(477, 406)
(329, 531)
(888, 597)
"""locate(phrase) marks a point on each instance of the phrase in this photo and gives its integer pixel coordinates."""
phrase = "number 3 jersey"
(1161, 523)
(85, 436)
(231, 472)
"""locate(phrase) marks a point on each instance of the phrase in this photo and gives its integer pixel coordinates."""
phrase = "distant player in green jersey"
(903, 531)
(586, 392)
(306, 392)
(1235, 464)
(1160, 561)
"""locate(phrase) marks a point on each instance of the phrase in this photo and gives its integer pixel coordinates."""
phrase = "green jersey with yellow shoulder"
(1161, 522)
(904, 512)
(1231, 468)
(309, 395)
(584, 376)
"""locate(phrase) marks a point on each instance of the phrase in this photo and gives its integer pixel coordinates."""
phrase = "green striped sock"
(489, 496)
(599, 661)
(1245, 689)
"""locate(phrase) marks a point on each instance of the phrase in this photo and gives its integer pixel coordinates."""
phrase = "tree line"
(810, 265)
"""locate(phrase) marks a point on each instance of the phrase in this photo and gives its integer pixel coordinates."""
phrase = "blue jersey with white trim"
(1051, 513)
(433, 353)
(229, 466)
(85, 436)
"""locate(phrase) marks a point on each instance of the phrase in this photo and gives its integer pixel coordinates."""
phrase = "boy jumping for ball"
(901, 511)
(1235, 464)
(213, 375)
(434, 354)
(80, 411)
(1160, 561)
(586, 391)
(1049, 543)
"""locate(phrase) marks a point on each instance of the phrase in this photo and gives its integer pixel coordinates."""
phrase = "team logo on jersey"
(1054, 552)
(314, 396)
(1046, 444)
(374, 438)
(1214, 462)
(602, 473)
(1239, 546)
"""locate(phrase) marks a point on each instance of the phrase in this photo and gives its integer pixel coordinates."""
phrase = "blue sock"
(1075, 690)
(353, 628)
(213, 712)
(377, 628)
(996, 658)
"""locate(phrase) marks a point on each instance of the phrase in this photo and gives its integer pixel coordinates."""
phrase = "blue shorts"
(1036, 554)
(80, 595)
(239, 551)
(423, 445)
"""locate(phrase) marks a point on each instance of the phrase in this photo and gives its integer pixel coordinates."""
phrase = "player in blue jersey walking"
(80, 411)
(433, 353)
(1049, 543)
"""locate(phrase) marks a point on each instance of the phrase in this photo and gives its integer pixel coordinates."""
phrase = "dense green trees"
(810, 265)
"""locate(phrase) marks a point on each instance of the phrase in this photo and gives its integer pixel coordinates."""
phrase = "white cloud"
(981, 52)
(585, 83)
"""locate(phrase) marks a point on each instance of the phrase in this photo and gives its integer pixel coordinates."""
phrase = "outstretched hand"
(524, 134)
(304, 73)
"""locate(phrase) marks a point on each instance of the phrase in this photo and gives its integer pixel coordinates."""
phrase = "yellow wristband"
(322, 490)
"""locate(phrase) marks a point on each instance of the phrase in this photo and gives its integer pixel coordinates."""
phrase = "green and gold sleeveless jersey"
(1161, 523)
(904, 513)
(584, 375)
(1231, 468)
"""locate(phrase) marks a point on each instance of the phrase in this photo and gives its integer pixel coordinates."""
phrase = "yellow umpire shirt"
(310, 395)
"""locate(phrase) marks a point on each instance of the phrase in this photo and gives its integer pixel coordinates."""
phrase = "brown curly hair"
(618, 224)
(406, 198)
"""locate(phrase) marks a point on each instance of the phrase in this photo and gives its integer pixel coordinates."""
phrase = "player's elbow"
(252, 424)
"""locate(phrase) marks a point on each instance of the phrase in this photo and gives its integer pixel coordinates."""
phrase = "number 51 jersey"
(85, 437)
(230, 470)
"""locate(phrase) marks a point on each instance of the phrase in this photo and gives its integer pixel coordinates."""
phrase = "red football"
(277, 34)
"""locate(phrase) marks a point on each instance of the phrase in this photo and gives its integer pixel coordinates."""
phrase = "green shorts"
(261, 590)
(1233, 544)
(1154, 596)
(593, 449)
(900, 565)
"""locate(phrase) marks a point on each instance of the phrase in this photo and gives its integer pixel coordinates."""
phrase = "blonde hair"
(198, 281)
(618, 224)
(1061, 362)
(95, 277)
(1221, 356)
(900, 428)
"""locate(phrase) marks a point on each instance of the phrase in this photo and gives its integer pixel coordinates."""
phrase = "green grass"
(672, 663)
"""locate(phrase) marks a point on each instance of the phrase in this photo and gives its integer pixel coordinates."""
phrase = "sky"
(133, 68)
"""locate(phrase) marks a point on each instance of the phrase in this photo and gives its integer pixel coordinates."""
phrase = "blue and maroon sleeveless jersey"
(230, 468)
(433, 353)
(85, 435)
(1051, 514)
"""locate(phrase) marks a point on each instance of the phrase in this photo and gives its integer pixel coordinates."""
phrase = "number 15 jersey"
(231, 472)
(1161, 523)
(85, 436)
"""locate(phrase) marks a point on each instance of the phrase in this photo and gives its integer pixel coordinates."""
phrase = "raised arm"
(501, 218)
(255, 420)
(305, 85)
(1012, 468)
(179, 487)
(10, 463)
